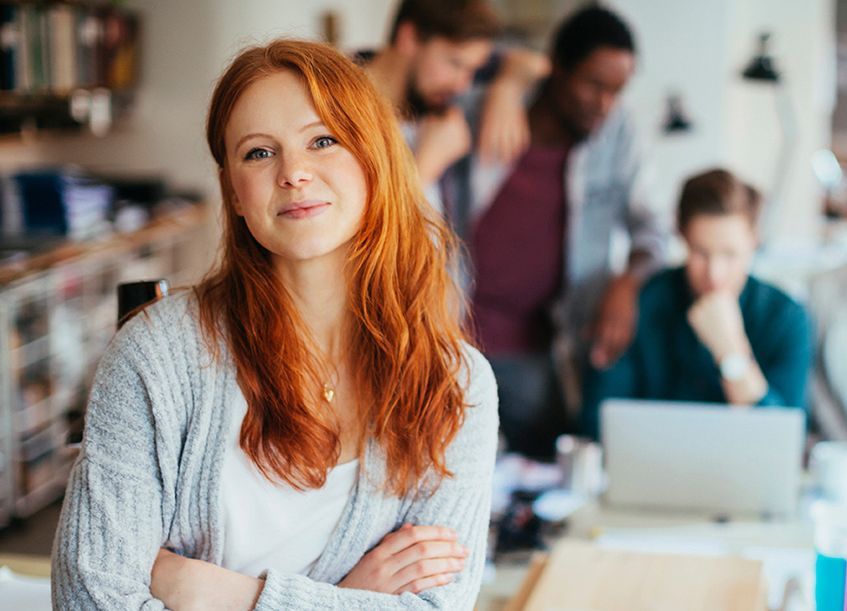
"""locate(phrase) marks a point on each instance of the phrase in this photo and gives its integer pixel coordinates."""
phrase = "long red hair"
(404, 305)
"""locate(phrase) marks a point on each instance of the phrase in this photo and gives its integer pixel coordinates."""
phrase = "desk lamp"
(676, 119)
(762, 69)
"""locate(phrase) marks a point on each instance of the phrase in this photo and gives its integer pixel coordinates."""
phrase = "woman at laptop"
(709, 331)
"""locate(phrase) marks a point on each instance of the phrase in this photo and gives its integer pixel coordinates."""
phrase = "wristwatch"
(734, 366)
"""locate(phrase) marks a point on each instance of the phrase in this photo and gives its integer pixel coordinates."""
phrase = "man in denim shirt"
(542, 232)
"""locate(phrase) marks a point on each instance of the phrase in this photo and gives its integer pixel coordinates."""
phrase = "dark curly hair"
(586, 30)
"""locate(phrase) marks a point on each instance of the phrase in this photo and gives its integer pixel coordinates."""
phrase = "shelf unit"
(66, 63)
(57, 314)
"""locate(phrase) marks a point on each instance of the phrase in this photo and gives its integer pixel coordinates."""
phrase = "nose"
(716, 273)
(294, 171)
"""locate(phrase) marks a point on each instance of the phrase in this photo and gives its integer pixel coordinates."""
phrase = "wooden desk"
(664, 531)
(24, 564)
(580, 576)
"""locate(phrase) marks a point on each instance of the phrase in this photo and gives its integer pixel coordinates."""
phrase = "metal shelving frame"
(79, 302)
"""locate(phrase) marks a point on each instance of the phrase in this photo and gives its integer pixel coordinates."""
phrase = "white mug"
(828, 464)
(581, 465)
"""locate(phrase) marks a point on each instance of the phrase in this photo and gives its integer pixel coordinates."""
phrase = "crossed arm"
(410, 559)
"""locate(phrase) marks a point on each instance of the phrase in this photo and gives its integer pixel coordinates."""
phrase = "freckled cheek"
(247, 192)
(361, 199)
(348, 179)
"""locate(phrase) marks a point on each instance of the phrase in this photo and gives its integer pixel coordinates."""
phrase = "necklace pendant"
(329, 393)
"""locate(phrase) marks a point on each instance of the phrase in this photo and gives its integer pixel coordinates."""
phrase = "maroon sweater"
(518, 253)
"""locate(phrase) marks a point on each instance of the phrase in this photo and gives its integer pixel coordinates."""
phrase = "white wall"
(699, 50)
(803, 41)
(690, 62)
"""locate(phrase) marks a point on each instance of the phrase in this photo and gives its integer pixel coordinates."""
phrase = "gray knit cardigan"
(148, 476)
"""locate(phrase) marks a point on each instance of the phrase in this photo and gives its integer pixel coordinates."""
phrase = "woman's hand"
(183, 584)
(411, 559)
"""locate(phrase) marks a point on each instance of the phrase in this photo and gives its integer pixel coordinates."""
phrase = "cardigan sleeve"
(111, 525)
(462, 503)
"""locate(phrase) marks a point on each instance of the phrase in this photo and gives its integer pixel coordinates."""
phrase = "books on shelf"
(63, 203)
(61, 30)
(8, 45)
(54, 48)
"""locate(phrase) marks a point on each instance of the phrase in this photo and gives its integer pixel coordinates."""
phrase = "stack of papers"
(21, 592)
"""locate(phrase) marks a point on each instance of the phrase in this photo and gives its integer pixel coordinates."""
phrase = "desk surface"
(581, 575)
(784, 545)
(23, 564)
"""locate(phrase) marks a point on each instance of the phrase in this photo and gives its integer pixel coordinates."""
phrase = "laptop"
(702, 457)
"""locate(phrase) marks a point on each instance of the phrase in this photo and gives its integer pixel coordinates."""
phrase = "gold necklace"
(329, 393)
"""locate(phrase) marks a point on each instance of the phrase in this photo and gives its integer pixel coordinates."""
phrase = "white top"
(275, 526)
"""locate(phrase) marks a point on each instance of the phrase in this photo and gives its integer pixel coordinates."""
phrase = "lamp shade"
(761, 67)
(676, 119)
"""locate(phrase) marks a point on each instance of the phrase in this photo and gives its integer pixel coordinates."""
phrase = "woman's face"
(300, 192)
(720, 251)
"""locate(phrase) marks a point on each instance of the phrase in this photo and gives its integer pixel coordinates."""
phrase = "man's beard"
(564, 128)
(577, 134)
(570, 126)
(417, 106)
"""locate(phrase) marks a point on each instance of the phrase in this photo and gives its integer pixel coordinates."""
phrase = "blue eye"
(324, 142)
(257, 153)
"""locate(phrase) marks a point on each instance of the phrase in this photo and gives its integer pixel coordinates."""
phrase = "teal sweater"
(666, 361)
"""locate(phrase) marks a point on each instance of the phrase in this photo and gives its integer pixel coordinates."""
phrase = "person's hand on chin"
(717, 322)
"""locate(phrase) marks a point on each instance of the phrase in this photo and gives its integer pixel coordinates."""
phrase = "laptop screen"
(706, 457)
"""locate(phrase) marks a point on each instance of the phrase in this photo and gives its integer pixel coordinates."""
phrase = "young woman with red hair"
(307, 427)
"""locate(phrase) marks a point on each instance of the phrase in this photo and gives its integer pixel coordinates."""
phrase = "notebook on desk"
(702, 457)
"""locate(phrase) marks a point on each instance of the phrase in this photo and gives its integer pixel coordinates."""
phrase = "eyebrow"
(241, 140)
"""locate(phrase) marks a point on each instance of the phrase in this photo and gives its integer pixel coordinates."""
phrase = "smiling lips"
(304, 209)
